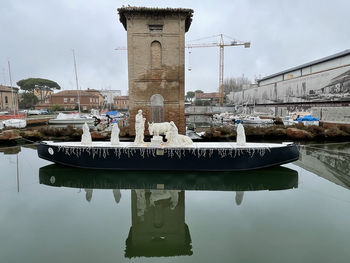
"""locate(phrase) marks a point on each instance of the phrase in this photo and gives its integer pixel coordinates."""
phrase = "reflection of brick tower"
(158, 225)
(156, 55)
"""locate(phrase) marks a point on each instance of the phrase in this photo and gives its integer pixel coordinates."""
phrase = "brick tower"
(156, 57)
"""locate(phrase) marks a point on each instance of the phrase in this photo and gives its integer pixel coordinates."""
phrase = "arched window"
(157, 108)
(6, 99)
(156, 55)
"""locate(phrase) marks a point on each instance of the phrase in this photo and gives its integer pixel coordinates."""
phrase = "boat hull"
(176, 159)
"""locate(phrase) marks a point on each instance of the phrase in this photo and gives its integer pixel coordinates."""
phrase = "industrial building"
(305, 87)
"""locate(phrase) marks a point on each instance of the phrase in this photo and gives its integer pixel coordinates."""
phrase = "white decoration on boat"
(240, 135)
(115, 134)
(139, 128)
(86, 137)
(176, 139)
(156, 141)
(159, 128)
(50, 150)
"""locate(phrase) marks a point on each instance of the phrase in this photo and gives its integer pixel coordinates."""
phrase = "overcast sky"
(38, 36)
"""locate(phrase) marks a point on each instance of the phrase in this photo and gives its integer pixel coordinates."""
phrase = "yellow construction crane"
(221, 44)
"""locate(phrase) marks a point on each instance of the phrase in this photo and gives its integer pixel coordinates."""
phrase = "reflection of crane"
(220, 44)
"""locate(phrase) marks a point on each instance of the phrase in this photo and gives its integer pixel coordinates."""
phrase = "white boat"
(307, 120)
(256, 120)
(288, 121)
(71, 119)
(15, 123)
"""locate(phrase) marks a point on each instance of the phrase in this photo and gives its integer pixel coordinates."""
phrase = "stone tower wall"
(146, 75)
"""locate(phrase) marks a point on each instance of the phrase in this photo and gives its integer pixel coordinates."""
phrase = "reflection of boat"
(158, 199)
(276, 178)
(196, 157)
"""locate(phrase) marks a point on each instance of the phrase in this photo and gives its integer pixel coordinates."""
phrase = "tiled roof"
(154, 11)
(73, 93)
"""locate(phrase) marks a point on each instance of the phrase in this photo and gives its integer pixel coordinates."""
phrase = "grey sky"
(38, 36)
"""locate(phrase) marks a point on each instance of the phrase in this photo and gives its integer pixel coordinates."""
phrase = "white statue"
(159, 128)
(240, 135)
(139, 127)
(115, 134)
(176, 139)
(86, 137)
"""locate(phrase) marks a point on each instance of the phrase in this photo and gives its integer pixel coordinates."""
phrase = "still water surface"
(296, 213)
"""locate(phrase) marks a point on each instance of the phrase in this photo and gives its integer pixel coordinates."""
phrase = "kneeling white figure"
(176, 139)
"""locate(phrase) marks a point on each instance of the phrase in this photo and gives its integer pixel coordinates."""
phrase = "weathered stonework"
(156, 56)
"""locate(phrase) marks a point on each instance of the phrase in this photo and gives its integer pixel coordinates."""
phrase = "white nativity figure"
(139, 127)
(115, 134)
(159, 128)
(86, 137)
(240, 135)
(176, 139)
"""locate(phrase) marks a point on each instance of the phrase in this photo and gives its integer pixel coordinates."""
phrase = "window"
(71, 99)
(156, 55)
(90, 100)
(155, 28)
(65, 100)
(84, 108)
(6, 100)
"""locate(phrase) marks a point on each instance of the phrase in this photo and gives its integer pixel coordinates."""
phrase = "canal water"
(299, 212)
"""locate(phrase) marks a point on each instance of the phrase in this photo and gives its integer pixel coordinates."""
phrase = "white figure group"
(168, 129)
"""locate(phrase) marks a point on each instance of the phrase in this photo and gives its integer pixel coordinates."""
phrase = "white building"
(109, 95)
(324, 79)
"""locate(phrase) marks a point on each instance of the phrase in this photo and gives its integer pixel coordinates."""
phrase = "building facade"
(68, 99)
(7, 101)
(109, 95)
(320, 80)
(323, 80)
(156, 44)
(121, 103)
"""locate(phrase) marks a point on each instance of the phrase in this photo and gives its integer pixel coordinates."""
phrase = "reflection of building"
(331, 163)
(158, 224)
(156, 55)
(6, 98)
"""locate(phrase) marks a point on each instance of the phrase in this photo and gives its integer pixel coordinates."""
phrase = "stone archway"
(157, 108)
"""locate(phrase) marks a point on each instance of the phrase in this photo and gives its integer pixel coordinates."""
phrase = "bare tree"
(235, 84)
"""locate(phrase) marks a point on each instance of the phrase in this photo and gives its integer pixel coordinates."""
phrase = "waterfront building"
(7, 102)
(322, 80)
(69, 99)
(121, 103)
(156, 56)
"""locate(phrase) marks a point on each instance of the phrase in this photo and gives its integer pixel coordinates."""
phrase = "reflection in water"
(158, 226)
(331, 162)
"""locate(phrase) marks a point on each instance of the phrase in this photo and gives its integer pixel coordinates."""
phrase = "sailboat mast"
(76, 80)
(12, 98)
